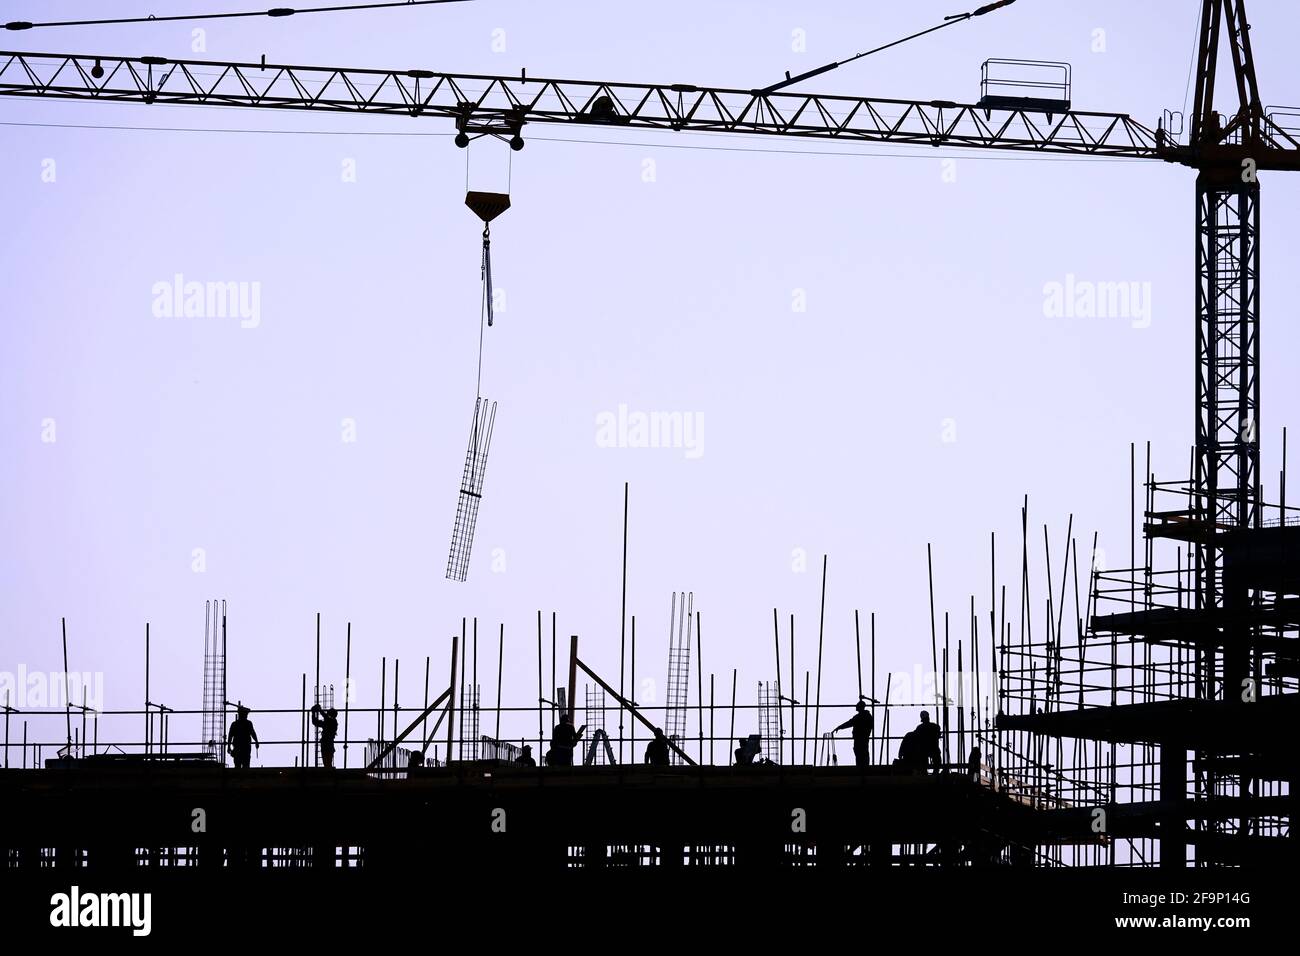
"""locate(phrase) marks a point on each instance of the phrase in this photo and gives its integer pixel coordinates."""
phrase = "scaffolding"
(1191, 651)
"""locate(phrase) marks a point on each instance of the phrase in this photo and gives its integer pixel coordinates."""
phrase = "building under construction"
(1112, 746)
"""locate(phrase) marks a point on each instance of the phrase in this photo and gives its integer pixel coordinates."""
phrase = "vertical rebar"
(67, 697)
(473, 692)
(347, 693)
(732, 735)
(807, 693)
(1282, 480)
(632, 745)
(857, 646)
(464, 643)
(821, 634)
(501, 648)
(794, 685)
(961, 702)
(622, 630)
(946, 752)
(934, 652)
(451, 697)
(873, 669)
(712, 738)
(541, 733)
(699, 683)
(315, 757)
(302, 724)
(573, 677)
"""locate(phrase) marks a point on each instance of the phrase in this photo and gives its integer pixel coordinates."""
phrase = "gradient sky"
(824, 429)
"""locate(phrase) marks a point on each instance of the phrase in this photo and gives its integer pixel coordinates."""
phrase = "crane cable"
(947, 22)
(273, 12)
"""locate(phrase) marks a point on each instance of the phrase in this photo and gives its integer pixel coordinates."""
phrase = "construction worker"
(862, 725)
(907, 751)
(241, 739)
(563, 739)
(656, 752)
(927, 738)
(525, 758)
(973, 764)
(329, 729)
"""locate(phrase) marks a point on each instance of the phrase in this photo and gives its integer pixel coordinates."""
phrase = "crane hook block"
(487, 206)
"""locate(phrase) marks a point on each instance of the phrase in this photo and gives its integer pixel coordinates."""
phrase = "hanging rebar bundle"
(487, 206)
(471, 489)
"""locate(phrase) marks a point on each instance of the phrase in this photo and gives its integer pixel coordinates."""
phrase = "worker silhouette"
(563, 739)
(907, 752)
(328, 725)
(862, 725)
(525, 758)
(749, 749)
(973, 764)
(656, 752)
(927, 741)
(241, 739)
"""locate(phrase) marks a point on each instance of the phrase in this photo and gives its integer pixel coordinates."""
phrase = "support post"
(1173, 797)
(573, 676)
(451, 706)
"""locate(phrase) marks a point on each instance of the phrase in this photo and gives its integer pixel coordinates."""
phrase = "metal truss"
(501, 105)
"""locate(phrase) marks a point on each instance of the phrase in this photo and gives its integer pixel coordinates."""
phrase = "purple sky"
(823, 430)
